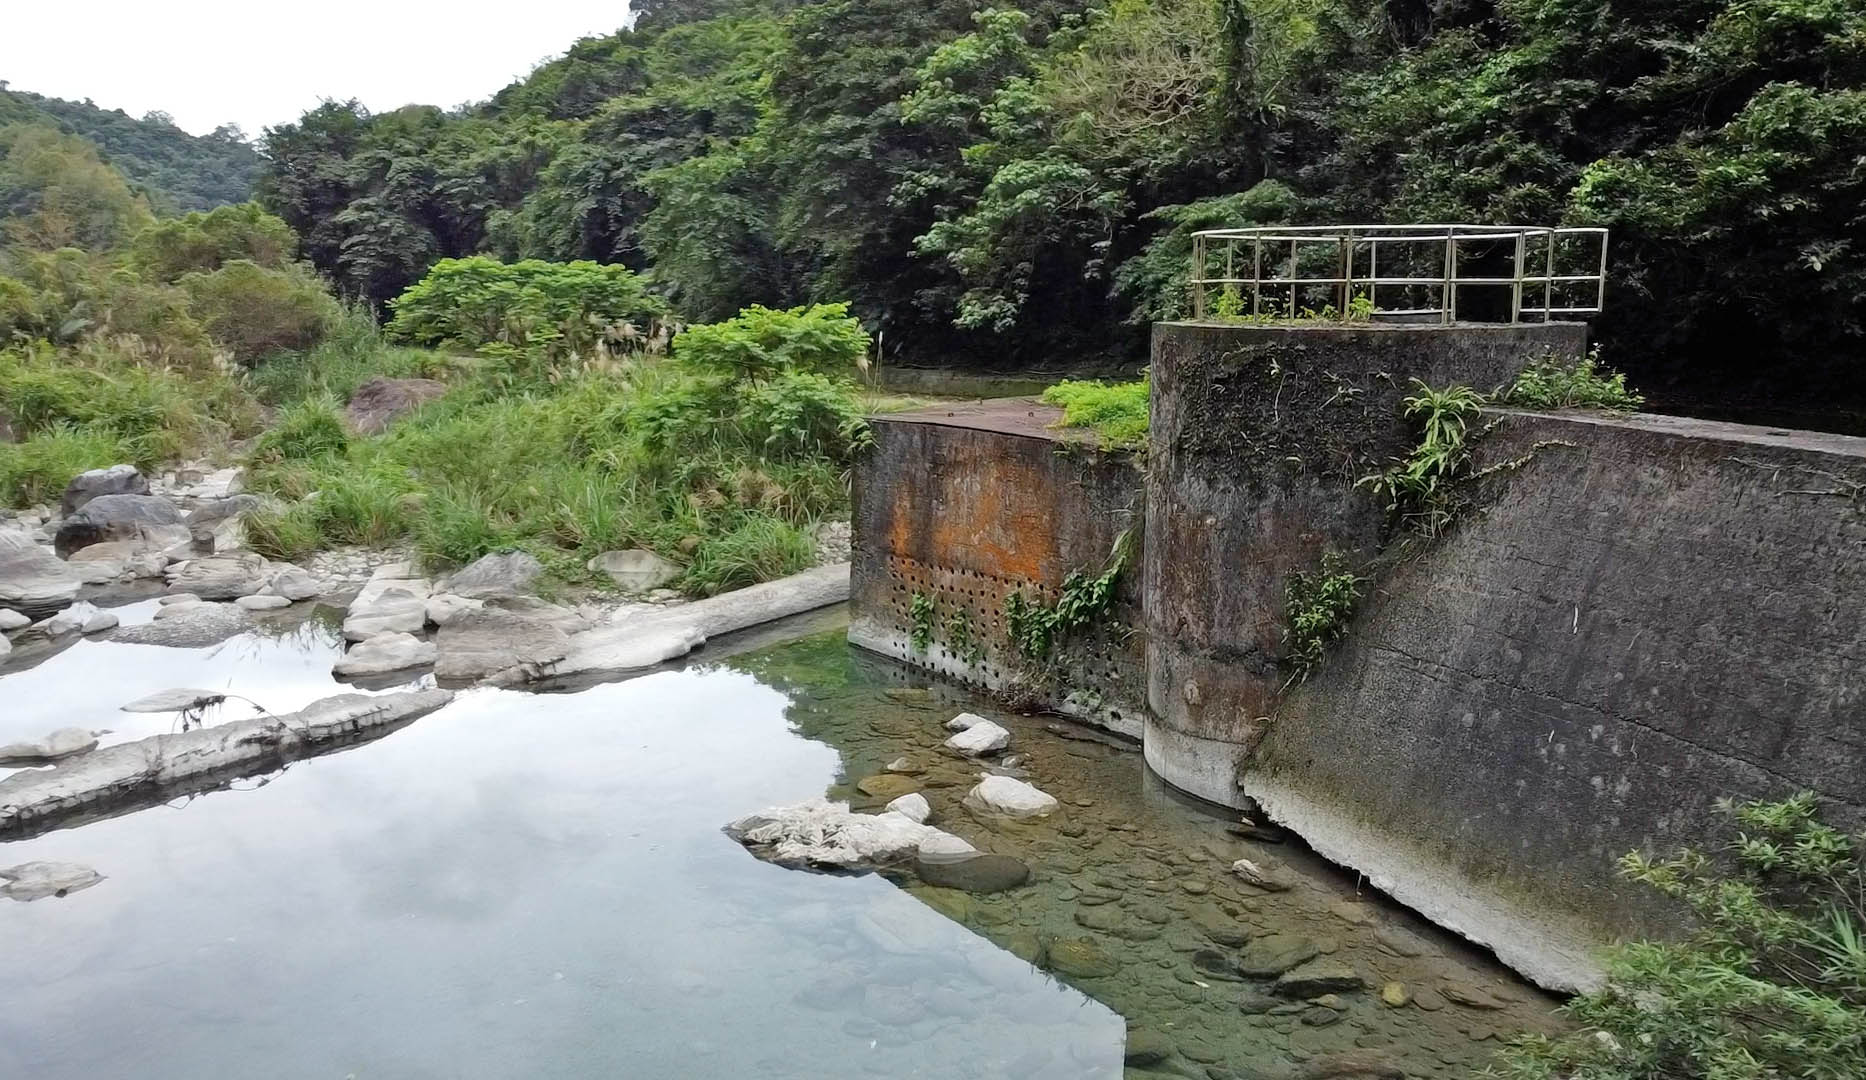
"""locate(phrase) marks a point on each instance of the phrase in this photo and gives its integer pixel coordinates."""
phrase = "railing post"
(1256, 274)
(1198, 278)
(1548, 283)
(1448, 295)
(1516, 288)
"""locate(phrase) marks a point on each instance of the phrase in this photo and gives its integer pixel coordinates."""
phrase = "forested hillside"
(1012, 186)
(176, 171)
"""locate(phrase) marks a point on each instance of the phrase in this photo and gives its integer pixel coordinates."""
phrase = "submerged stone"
(978, 874)
(1081, 958)
(1146, 1047)
(1265, 873)
(1317, 977)
(981, 738)
(1273, 954)
(38, 880)
(886, 785)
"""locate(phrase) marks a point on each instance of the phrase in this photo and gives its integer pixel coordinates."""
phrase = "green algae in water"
(1132, 900)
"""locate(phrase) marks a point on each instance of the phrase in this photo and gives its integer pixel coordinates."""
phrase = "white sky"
(208, 62)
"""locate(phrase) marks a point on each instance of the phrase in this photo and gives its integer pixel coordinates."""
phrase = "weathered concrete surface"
(1649, 613)
(129, 776)
(966, 504)
(1258, 436)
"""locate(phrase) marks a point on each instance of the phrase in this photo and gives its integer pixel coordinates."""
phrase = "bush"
(1771, 983)
(37, 470)
(253, 311)
(760, 342)
(545, 310)
(1117, 411)
(351, 352)
(204, 242)
(1550, 384)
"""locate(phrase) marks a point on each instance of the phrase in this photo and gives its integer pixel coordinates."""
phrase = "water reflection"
(517, 885)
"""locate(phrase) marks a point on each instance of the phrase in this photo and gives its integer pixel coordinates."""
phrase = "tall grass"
(351, 353)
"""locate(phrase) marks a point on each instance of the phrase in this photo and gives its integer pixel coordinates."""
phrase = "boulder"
(381, 401)
(570, 622)
(943, 847)
(174, 598)
(116, 558)
(188, 626)
(509, 573)
(183, 607)
(115, 517)
(819, 834)
(383, 653)
(63, 743)
(258, 602)
(12, 620)
(443, 608)
(479, 642)
(1012, 798)
(981, 738)
(965, 720)
(116, 480)
(976, 874)
(82, 617)
(294, 584)
(636, 570)
(38, 880)
(33, 582)
(394, 598)
(214, 511)
(912, 805)
(220, 577)
(214, 485)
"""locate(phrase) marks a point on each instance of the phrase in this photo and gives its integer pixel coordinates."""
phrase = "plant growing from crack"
(1417, 488)
(1316, 608)
(1034, 627)
(1550, 384)
(920, 610)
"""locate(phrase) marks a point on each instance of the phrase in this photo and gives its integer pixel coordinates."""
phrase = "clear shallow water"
(537, 886)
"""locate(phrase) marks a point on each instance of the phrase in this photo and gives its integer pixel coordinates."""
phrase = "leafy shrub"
(801, 414)
(552, 310)
(1154, 282)
(1117, 411)
(761, 342)
(1316, 607)
(1550, 384)
(351, 352)
(1771, 982)
(200, 242)
(252, 311)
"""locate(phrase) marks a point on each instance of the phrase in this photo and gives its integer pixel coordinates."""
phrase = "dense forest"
(1013, 186)
(175, 171)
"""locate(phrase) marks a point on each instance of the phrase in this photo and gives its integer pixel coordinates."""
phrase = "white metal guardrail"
(1525, 272)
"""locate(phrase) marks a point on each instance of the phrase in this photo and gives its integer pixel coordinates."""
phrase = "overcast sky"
(208, 62)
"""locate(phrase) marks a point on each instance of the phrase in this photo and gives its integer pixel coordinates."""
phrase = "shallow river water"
(537, 886)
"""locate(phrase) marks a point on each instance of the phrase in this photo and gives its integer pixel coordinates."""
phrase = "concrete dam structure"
(1630, 616)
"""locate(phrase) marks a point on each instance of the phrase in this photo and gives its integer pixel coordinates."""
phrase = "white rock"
(257, 602)
(912, 806)
(192, 604)
(1012, 798)
(383, 653)
(5, 646)
(178, 598)
(965, 720)
(944, 847)
(82, 617)
(509, 573)
(295, 584)
(220, 577)
(12, 620)
(443, 608)
(403, 610)
(63, 743)
(819, 833)
(32, 579)
(38, 880)
(983, 737)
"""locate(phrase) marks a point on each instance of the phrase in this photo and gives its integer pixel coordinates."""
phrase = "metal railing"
(1275, 272)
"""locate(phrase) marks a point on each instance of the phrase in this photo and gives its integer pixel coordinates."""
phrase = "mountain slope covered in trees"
(176, 171)
(1013, 186)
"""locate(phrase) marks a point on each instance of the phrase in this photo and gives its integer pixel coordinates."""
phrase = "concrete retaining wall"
(967, 504)
(1649, 613)
(1259, 434)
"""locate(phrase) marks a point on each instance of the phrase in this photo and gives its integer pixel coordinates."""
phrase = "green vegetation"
(1116, 411)
(1418, 488)
(1316, 608)
(1034, 627)
(1018, 182)
(1770, 983)
(173, 170)
(695, 459)
(920, 614)
(1551, 384)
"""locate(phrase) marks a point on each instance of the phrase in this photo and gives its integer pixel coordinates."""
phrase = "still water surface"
(536, 885)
